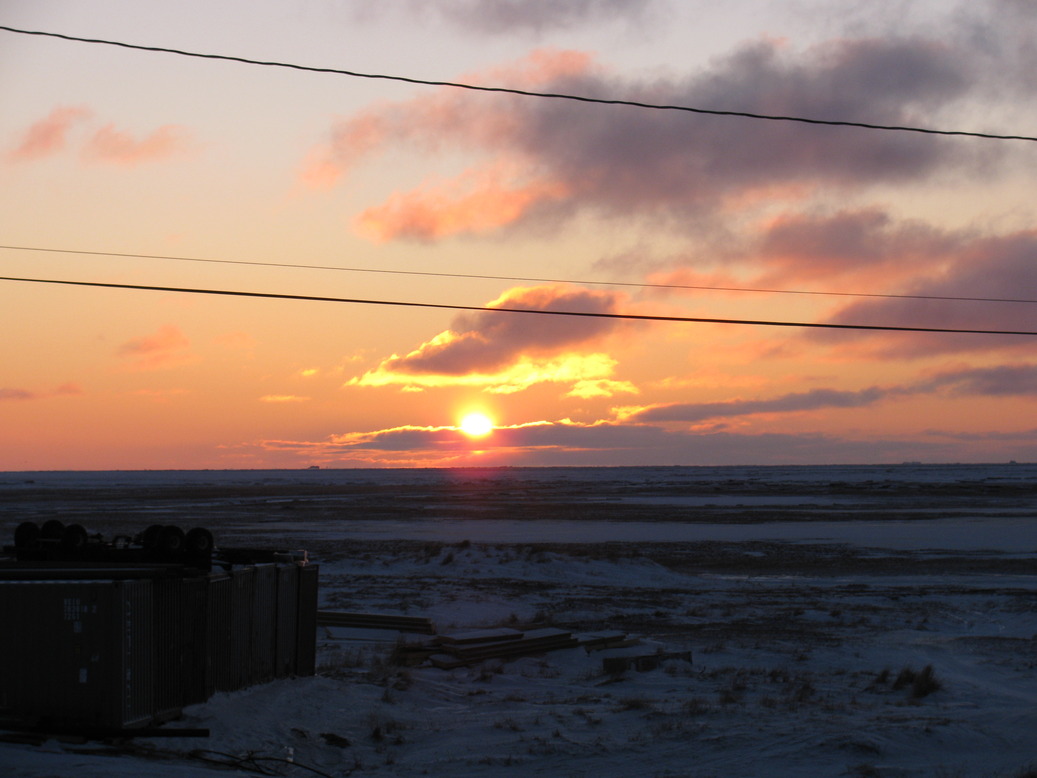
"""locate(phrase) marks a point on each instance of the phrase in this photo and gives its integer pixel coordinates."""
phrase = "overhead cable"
(521, 92)
(531, 279)
(508, 309)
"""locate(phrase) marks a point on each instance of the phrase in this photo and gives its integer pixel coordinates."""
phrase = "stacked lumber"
(471, 648)
(620, 652)
(416, 624)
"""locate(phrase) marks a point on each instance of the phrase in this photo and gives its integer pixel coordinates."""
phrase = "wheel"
(26, 535)
(149, 538)
(74, 537)
(200, 541)
(52, 529)
(171, 540)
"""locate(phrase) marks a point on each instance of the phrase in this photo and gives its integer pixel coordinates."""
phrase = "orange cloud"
(479, 201)
(601, 387)
(49, 135)
(508, 352)
(283, 398)
(584, 371)
(111, 145)
(166, 348)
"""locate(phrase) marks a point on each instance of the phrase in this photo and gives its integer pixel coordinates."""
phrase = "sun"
(476, 425)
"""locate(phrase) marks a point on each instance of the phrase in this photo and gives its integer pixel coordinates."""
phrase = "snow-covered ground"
(801, 620)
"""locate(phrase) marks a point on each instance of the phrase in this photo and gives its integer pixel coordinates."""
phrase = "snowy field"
(843, 621)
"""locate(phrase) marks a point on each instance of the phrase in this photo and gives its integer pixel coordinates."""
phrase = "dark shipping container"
(78, 651)
(126, 652)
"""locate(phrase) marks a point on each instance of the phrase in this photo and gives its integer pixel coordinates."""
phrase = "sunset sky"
(130, 167)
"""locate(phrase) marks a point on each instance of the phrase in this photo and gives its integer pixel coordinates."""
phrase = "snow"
(798, 628)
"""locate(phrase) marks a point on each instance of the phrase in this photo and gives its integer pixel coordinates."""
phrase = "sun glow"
(476, 425)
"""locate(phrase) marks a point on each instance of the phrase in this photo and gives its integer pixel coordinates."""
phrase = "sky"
(142, 168)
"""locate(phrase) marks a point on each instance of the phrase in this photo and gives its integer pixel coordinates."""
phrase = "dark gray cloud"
(678, 167)
(638, 161)
(997, 268)
(615, 444)
(812, 400)
(487, 341)
(867, 240)
(511, 16)
(1018, 380)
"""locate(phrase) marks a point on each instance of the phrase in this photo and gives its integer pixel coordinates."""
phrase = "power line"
(485, 277)
(502, 309)
(521, 92)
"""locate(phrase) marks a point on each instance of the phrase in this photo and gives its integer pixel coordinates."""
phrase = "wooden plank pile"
(468, 648)
(420, 644)
(415, 624)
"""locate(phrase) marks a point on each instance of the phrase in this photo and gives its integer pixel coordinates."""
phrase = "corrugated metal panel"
(287, 620)
(78, 651)
(242, 589)
(264, 624)
(306, 641)
(220, 665)
(127, 652)
(180, 630)
(136, 676)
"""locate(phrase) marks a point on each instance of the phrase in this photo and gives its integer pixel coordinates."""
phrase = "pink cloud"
(49, 135)
(480, 201)
(431, 122)
(114, 146)
(167, 347)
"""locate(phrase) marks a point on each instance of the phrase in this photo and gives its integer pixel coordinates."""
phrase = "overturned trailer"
(125, 634)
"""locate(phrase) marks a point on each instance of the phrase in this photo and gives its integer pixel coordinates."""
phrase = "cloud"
(478, 202)
(114, 146)
(864, 243)
(1011, 380)
(7, 393)
(984, 270)
(812, 400)
(601, 387)
(442, 120)
(510, 16)
(568, 157)
(18, 395)
(283, 398)
(579, 370)
(168, 347)
(107, 144)
(601, 443)
(506, 352)
(50, 134)
(1015, 380)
